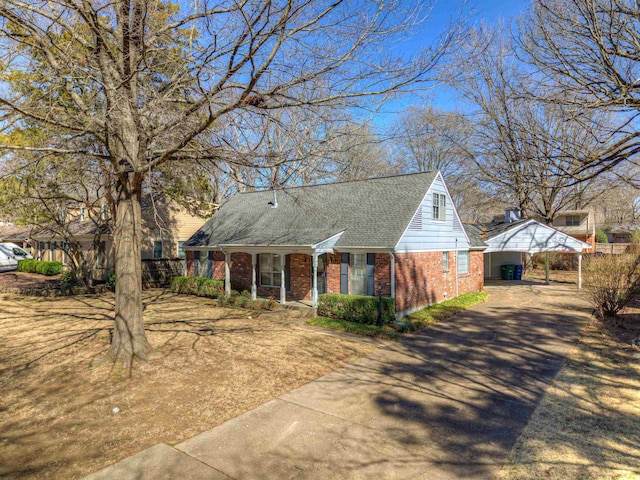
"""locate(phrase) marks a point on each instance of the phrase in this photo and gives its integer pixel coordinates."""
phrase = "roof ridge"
(341, 182)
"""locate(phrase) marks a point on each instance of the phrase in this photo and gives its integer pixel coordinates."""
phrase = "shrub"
(202, 287)
(36, 266)
(69, 279)
(601, 237)
(355, 308)
(611, 282)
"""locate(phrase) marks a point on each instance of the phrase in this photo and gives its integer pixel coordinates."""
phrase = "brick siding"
(421, 281)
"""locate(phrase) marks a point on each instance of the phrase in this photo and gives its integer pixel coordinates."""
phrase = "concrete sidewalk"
(445, 403)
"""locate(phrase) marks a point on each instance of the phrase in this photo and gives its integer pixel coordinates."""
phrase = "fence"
(612, 248)
(157, 272)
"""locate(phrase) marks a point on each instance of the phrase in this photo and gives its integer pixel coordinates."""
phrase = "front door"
(322, 274)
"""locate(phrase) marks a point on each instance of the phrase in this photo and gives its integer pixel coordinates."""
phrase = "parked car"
(8, 260)
(19, 252)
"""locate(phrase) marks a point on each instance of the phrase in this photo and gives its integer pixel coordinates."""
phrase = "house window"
(463, 263)
(83, 213)
(157, 249)
(445, 261)
(358, 284)
(439, 206)
(270, 270)
(196, 263)
(52, 250)
(41, 251)
(181, 253)
(103, 212)
(572, 220)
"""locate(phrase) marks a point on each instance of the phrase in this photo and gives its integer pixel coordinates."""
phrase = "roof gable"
(531, 236)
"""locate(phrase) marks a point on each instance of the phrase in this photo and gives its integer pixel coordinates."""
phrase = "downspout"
(393, 275)
(456, 266)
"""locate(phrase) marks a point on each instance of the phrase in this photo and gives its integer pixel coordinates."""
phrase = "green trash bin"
(507, 271)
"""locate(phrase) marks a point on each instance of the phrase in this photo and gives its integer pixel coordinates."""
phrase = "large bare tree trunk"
(129, 341)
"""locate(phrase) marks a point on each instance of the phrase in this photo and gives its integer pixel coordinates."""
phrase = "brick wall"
(333, 273)
(382, 273)
(300, 271)
(421, 281)
(189, 263)
(240, 269)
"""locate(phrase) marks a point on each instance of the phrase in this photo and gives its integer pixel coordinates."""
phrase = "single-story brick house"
(400, 234)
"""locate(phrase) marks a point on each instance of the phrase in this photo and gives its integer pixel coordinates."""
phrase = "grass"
(586, 426)
(210, 364)
(416, 321)
(386, 331)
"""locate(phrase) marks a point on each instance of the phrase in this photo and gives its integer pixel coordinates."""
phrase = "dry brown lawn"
(212, 364)
(588, 424)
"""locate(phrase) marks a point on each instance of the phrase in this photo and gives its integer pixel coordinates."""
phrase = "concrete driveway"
(445, 403)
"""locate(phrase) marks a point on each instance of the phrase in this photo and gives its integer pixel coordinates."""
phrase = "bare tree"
(588, 51)
(536, 153)
(426, 138)
(148, 82)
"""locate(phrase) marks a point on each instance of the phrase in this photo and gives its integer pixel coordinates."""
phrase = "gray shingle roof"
(371, 213)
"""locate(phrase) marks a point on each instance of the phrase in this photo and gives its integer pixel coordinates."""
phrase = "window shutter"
(287, 273)
(196, 263)
(210, 264)
(344, 273)
(371, 269)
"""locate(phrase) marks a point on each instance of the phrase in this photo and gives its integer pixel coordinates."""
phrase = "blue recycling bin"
(517, 273)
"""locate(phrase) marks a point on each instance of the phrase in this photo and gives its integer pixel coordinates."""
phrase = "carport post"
(546, 267)
(579, 270)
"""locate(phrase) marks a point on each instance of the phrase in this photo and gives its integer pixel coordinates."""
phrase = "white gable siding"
(426, 234)
(532, 238)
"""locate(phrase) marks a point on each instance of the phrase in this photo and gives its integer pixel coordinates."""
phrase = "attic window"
(439, 207)
(416, 221)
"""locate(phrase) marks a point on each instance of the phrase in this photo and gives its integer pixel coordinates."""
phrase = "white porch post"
(546, 267)
(227, 273)
(314, 280)
(283, 287)
(393, 275)
(254, 289)
(579, 270)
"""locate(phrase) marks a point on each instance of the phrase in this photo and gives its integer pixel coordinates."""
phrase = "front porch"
(294, 275)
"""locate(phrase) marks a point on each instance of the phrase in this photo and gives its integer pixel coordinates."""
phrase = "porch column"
(393, 275)
(579, 270)
(314, 280)
(283, 287)
(227, 273)
(254, 289)
(546, 267)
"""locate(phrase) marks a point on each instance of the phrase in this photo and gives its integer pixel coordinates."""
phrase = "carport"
(507, 241)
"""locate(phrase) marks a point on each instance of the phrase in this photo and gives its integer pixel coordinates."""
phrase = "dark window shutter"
(287, 273)
(210, 264)
(371, 268)
(344, 273)
(196, 263)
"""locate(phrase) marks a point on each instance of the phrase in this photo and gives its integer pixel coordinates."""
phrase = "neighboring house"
(399, 235)
(623, 233)
(507, 240)
(18, 234)
(165, 227)
(579, 224)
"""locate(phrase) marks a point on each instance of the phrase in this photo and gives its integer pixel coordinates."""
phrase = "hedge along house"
(400, 235)
(507, 240)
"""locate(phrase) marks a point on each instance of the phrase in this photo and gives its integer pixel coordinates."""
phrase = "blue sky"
(487, 11)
